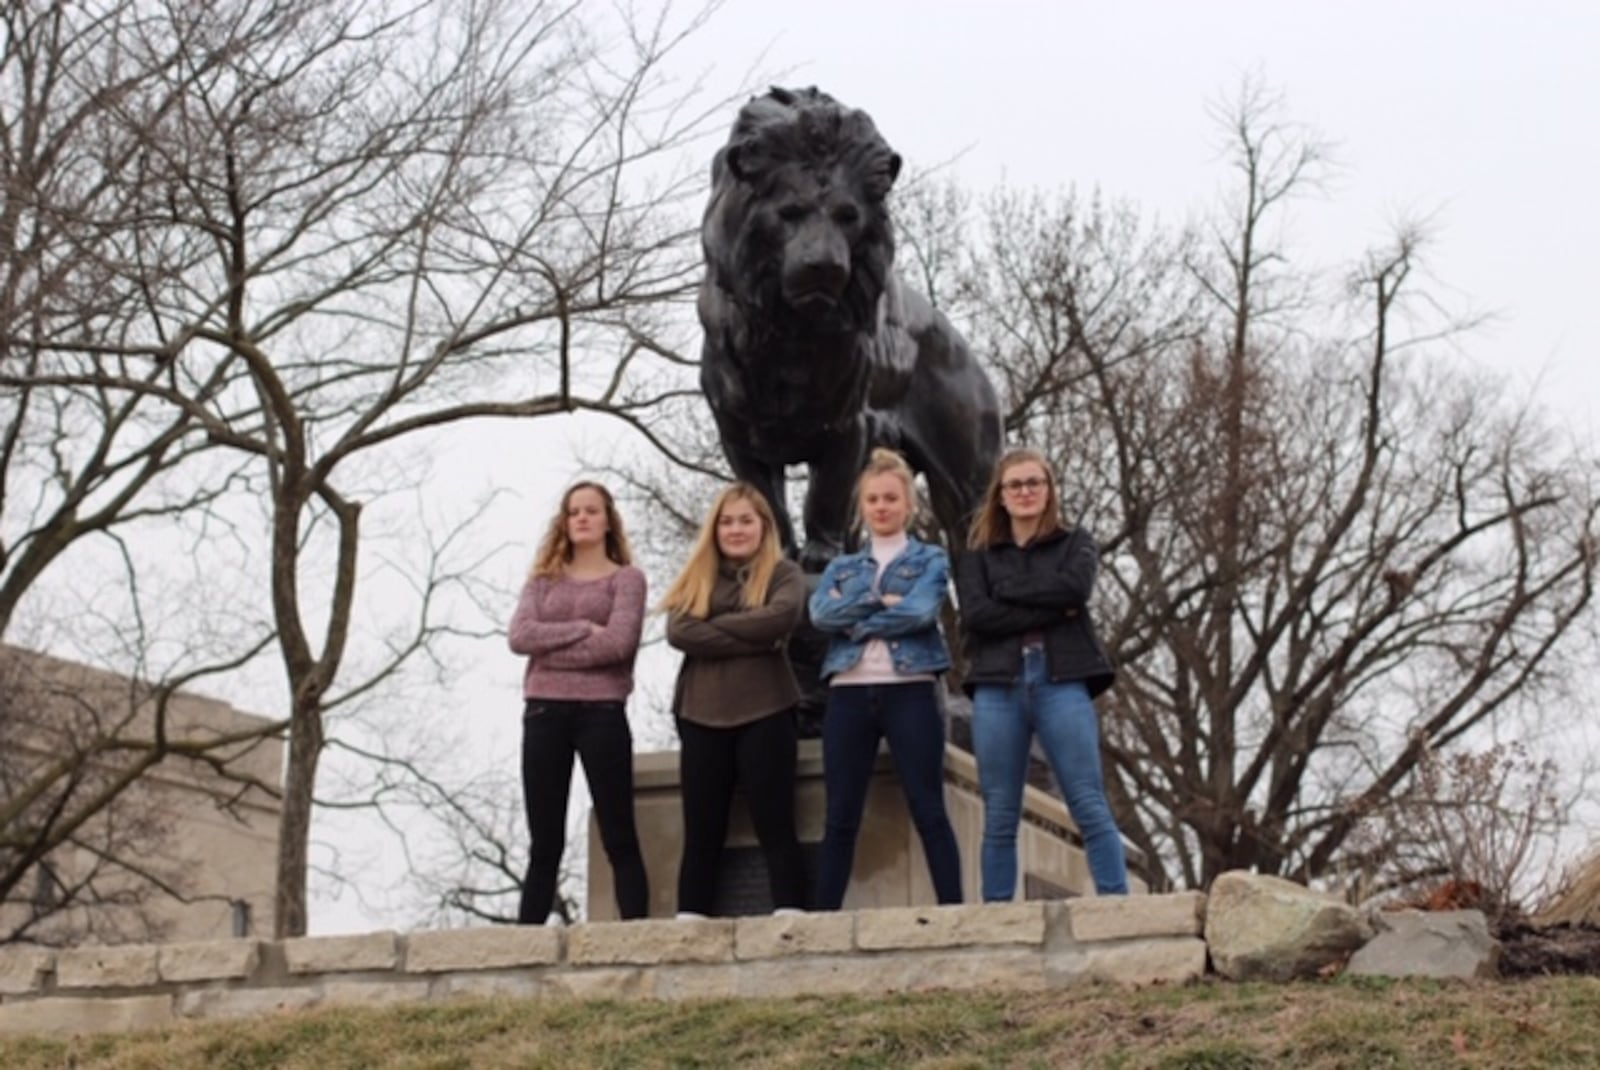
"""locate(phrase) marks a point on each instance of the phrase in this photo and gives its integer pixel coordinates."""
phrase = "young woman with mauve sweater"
(578, 621)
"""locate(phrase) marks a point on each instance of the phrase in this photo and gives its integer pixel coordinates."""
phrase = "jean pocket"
(534, 708)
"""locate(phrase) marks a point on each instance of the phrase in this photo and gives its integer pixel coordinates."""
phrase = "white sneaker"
(788, 912)
(689, 915)
(555, 921)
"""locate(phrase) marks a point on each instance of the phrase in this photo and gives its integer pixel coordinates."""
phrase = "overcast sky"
(1484, 117)
(1479, 116)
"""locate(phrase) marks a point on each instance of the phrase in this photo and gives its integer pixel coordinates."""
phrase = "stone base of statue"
(890, 869)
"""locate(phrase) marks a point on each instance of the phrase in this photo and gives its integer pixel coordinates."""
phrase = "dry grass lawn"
(1547, 1022)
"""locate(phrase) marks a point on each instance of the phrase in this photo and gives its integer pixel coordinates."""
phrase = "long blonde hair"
(555, 550)
(992, 524)
(690, 593)
(887, 462)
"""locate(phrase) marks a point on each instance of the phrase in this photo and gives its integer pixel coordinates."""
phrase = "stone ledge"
(342, 954)
(214, 960)
(969, 925)
(647, 943)
(1120, 917)
(24, 970)
(501, 946)
(107, 967)
(995, 947)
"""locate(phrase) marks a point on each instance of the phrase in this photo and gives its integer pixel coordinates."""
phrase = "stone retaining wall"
(1011, 946)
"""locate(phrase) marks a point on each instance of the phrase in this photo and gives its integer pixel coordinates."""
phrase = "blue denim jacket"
(846, 607)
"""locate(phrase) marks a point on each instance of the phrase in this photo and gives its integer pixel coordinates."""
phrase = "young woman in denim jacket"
(880, 607)
(1035, 666)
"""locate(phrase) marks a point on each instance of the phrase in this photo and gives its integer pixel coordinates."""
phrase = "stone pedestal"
(889, 870)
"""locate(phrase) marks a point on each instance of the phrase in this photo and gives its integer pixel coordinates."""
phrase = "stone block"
(106, 967)
(1264, 928)
(374, 993)
(24, 969)
(604, 983)
(768, 937)
(518, 985)
(245, 1002)
(710, 981)
(1411, 943)
(482, 949)
(68, 1015)
(1118, 917)
(1168, 960)
(971, 925)
(211, 960)
(341, 954)
(645, 943)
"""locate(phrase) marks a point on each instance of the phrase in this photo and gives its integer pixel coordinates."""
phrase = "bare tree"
(392, 218)
(1328, 552)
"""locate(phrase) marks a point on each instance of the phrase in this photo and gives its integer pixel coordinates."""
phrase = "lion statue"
(815, 351)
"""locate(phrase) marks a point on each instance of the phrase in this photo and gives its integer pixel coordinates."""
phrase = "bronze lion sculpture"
(815, 351)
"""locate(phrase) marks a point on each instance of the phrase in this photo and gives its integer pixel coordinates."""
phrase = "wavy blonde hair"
(992, 523)
(555, 550)
(887, 462)
(690, 593)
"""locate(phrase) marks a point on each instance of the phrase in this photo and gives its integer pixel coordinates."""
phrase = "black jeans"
(597, 732)
(760, 757)
(907, 715)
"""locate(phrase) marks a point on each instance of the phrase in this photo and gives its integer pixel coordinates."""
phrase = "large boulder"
(1415, 943)
(1261, 928)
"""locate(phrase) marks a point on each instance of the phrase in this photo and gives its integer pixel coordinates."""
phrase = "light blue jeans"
(1005, 718)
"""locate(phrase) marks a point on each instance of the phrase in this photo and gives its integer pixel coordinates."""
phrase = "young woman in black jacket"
(1036, 665)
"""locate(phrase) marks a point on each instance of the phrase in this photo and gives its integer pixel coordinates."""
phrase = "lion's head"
(798, 226)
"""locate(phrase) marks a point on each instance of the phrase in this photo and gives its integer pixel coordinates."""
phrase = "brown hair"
(555, 551)
(690, 593)
(887, 462)
(992, 522)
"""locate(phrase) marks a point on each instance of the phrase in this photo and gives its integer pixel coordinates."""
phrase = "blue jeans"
(1005, 719)
(907, 715)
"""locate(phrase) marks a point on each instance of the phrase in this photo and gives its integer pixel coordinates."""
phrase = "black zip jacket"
(1008, 591)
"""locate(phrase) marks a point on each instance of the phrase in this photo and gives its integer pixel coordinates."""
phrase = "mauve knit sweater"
(567, 659)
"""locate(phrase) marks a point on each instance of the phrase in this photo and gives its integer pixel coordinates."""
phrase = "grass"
(1548, 1022)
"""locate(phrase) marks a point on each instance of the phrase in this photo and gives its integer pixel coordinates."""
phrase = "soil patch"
(1526, 951)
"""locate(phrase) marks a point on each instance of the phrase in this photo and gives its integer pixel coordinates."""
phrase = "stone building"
(187, 853)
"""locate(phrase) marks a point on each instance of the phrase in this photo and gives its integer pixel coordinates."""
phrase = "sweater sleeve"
(743, 632)
(704, 639)
(529, 634)
(776, 621)
(615, 642)
(983, 613)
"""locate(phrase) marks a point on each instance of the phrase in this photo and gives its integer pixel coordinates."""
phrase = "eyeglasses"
(1017, 486)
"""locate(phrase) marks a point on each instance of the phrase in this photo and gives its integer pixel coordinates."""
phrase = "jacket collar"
(1039, 540)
